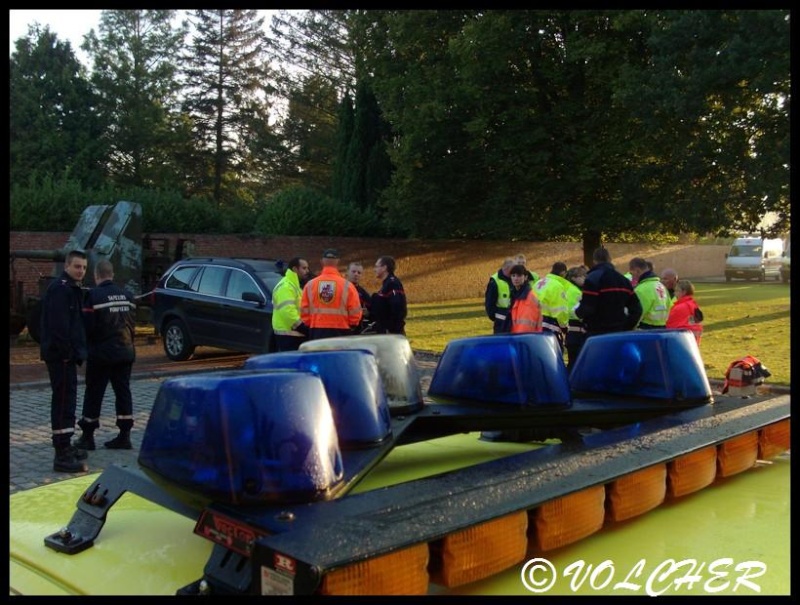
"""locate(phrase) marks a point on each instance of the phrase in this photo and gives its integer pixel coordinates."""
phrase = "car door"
(249, 322)
(206, 312)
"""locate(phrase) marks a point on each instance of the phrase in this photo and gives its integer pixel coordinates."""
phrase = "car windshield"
(746, 251)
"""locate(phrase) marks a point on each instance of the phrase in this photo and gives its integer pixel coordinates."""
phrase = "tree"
(227, 88)
(134, 71)
(55, 130)
(309, 130)
(591, 124)
(343, 134)
(712, 111)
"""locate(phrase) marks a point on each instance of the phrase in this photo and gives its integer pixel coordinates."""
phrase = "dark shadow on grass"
(744, 321)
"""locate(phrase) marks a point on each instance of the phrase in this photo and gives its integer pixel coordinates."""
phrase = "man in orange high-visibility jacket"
(330, 305)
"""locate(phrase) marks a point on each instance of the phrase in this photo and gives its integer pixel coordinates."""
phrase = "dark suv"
(217, 302)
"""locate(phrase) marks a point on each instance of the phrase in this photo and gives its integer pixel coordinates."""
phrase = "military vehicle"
(105, 231)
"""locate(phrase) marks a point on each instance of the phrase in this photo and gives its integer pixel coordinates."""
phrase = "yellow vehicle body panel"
(144, 549)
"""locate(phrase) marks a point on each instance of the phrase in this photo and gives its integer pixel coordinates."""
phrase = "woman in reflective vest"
(526, 312)
(685, 313)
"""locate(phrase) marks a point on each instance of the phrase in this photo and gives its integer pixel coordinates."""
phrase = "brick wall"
(430, 270)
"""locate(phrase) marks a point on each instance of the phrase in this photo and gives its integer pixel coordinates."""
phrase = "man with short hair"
(330, 305)
(652, 295)
(669, 277)
(354, 272)
(532, 276)
(497, 298)
(389, 307)
(289, 329)
(109, 315)
(608, 302)
(63, 348)
(552, 293)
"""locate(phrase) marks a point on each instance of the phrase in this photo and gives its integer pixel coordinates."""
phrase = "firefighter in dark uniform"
(389, 307)
(109, 314)
(608, 302)
(62, 346)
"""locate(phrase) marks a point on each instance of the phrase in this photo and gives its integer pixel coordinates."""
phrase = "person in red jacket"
(685, 313)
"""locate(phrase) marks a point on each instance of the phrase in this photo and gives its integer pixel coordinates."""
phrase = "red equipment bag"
(753, 373)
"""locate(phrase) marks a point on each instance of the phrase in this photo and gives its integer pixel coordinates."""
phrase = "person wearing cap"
(330, 305)
(388, 308)
(63, 347)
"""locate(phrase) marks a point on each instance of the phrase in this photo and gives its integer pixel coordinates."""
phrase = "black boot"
(65, 461)
(120, 442)
(80, 453)
(86, 440)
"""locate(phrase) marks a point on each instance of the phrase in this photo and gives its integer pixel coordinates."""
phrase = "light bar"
(524, 370)
(692, 472)
(353, 386)
(737, 454)
(480, 551)
(403, 572)
(774, 439)
(569, 518)
(245, 437)
(396, 365)
(662, 365)
(636, 493)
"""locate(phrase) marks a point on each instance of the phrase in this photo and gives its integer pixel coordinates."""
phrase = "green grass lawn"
(746, 318)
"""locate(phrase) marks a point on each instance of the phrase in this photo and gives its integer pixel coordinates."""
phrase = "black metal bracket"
(94, 504)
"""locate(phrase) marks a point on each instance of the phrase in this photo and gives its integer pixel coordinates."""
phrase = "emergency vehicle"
(325, 471)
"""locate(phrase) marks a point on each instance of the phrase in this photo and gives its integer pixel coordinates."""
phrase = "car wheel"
(727, 277)
(177, 343)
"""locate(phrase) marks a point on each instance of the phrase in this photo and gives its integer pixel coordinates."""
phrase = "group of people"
(331, 304)
(576, 303)
(97, 328)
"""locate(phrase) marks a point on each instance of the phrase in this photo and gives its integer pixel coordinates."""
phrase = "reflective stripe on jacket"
(655, 301)
(503, 292)
(551, 290)
(286, 304)
(330, 301)
(526, 313)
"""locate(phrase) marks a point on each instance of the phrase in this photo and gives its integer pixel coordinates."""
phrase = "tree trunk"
(591, 241)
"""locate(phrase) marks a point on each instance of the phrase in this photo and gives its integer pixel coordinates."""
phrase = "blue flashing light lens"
(517, 369)
(353, 386)
(245, 437)
(396, 366)
(651, 364)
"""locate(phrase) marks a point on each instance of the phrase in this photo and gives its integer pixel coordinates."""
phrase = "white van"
(752, 257)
